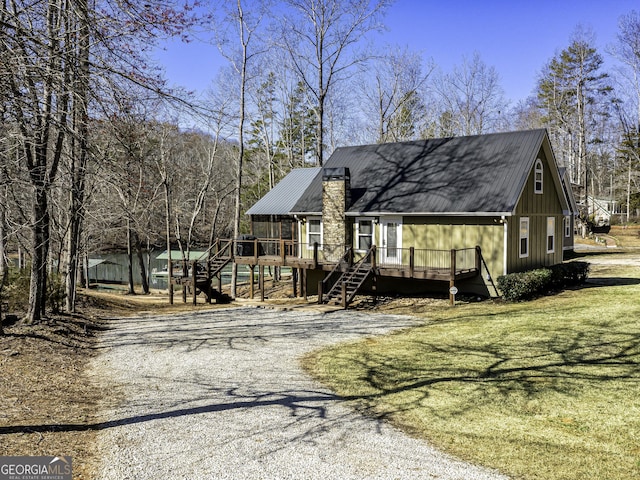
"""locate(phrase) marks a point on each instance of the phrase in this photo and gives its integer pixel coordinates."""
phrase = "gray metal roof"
(477, 175)
(281, 198)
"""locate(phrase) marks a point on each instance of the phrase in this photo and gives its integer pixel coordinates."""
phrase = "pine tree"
(572, 93)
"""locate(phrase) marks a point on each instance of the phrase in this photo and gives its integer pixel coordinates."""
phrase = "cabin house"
(420, 215)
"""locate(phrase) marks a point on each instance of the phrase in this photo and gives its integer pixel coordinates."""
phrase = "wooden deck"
(423, 264)
(408, 263)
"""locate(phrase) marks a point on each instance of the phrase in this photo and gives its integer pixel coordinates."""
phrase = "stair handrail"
(224, 253)
(354, 270)
(222, 249)
(328, 280)
(358, 267)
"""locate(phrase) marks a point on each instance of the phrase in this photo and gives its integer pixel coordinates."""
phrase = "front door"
(391, 235)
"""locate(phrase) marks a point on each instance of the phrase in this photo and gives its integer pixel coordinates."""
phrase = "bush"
(521, 286)
(16, 291)
(569, 274)
(56, 292)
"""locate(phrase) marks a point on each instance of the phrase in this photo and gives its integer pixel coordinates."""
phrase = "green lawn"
(548, 389)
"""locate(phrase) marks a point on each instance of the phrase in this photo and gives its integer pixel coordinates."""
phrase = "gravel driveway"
(220, 395)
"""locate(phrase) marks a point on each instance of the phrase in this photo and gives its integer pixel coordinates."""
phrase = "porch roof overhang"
(282, 198)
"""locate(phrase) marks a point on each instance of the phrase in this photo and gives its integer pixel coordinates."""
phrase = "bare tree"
(395, 94)
(471, 97)
(321, 38)
(34, 45)
(245, 24)
(627, 51)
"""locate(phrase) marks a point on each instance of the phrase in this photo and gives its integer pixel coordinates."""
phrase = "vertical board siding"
(537, 207)
(445, 233)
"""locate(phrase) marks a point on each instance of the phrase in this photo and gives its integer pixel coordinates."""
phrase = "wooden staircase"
(217, 264)
(223, 256)
(348, 282)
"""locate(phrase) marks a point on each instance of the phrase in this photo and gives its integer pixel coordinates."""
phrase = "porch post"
(255, 251)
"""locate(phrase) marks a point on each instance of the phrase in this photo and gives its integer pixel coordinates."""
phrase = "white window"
(524, 237)
(364, 234)
(314, 231)
(551, 234)
(567, 227)
(538, 176)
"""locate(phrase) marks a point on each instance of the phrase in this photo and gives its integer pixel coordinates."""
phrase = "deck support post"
(294, 279)
(315, 255)
(194, 280)
(374, 287)
(412, 261)
(344, 295)
(301, 280)
(452, 277)
(304, 283)
(209, 282)
(261, 282)
(251, 290)
(320, 292)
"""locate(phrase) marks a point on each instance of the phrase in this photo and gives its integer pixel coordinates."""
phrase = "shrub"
(521, 286)
(569, 274)
(16, 290)
(56, 293)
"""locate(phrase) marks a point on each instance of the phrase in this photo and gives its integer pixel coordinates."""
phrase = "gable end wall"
(537, 207)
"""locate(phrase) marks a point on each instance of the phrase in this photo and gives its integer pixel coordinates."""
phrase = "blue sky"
(516, 37)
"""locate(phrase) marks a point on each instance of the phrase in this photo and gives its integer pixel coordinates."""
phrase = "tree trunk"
(79, 155)
(141, 263)
(238, 206)
(4, 265)
(130, 259)
(39, 253)
(167, 214)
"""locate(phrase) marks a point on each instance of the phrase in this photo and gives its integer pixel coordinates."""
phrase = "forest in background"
(93, 155)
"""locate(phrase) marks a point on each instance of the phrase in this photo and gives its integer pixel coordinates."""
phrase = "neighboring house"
(600, 212)
(429, 207)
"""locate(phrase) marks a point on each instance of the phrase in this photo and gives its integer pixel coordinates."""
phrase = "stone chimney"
(336, 197)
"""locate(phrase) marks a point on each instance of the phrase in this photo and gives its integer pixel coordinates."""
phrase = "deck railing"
(426, 259)
(419, 259)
